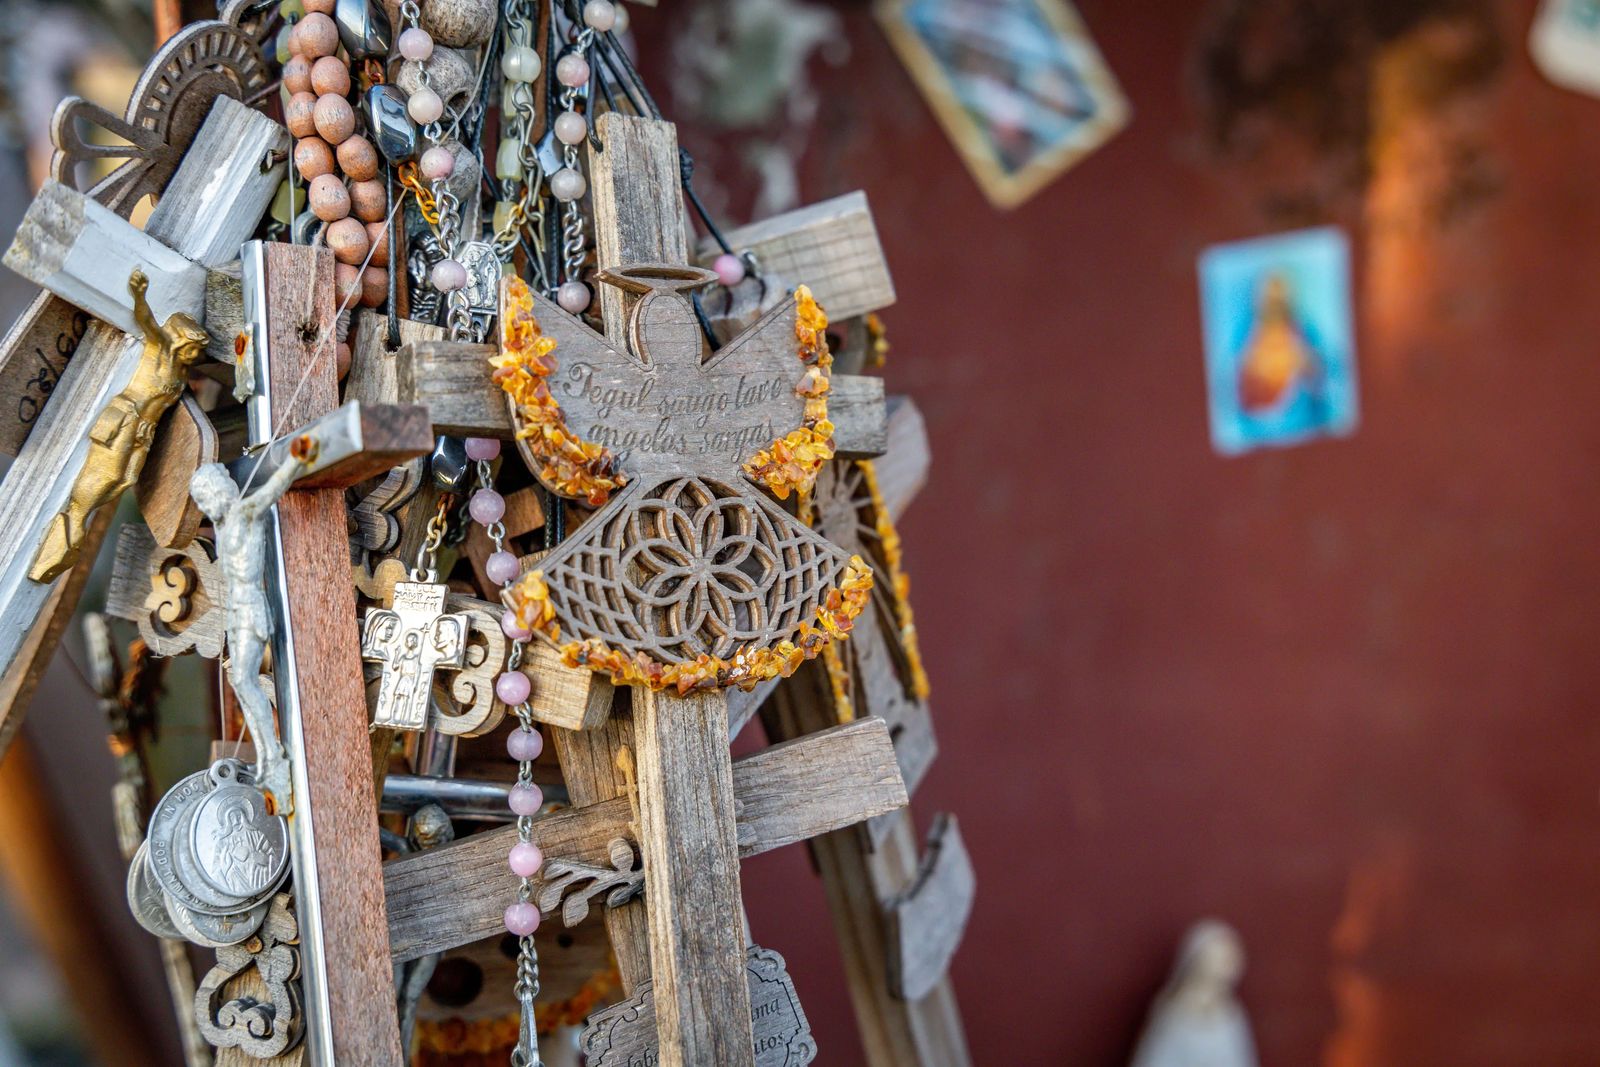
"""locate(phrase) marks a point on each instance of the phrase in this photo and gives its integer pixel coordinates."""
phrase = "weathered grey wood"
(638, 204)
(36, 349)
(184, 442)
(452, 379)
(903, 467)
(176, 596)
(224, 316)
(860, 879)
(38, 482)
(927, 918)
(84, 253)
(787, 793)
(832, 247)
(694, 906)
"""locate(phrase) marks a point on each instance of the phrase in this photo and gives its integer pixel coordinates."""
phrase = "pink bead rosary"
(513, 689)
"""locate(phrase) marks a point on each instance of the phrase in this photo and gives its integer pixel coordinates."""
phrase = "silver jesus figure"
(241, 552)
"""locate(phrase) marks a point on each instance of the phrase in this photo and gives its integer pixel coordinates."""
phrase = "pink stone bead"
(512, 628)
(512, 687)
(522, 919)
(525, 799)
(599, 15)
(567, 184)
(729, 268)
(437, 163)
(572, 70)
(501, 567)
(573, 297)
(447, 276)
(416, 43)
(525, 859)
(523, 744)
(487, 506)
(482, 448)
(570, 128)
(424, 106)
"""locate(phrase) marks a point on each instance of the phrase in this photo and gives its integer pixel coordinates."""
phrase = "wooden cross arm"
(790, 792)
(84, 253)
(452, 379)
(832, 247)
(354, 442)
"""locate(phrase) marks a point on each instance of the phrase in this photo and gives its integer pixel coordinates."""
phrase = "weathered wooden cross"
(68, 245)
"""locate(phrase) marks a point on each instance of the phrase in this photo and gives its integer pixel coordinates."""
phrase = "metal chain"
(427, 566)
(526, 989)
(458, 319)
(572, 244)
(517, 117)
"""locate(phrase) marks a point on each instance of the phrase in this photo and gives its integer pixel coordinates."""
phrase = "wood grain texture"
(695, 910)
(591, 771)
(184, 442)
(638, 204)
(33, 355)
(832, 247)
(327, 667)
(903, 467)
(856, 407)
(860, 879)
(790, 792)
(452, 379)
(84, 253)
(175, 596)
(927, 918)
(38, 481)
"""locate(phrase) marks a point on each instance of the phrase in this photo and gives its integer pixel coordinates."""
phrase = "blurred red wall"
(1343, 696)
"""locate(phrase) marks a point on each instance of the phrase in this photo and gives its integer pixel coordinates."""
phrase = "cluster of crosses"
(658, 813)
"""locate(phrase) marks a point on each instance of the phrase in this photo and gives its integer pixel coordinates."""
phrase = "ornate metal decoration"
(196, 65)
(411, 639)
(563, 882)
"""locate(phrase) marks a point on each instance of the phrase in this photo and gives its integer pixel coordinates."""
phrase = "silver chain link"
(527, 214)
(572, 244)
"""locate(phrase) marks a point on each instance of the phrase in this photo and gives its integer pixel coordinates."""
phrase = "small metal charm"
(146, 900)
(483, 283)
(216, 931)
(240, 848)
(363, 28)
(412, 639)
(391, 128)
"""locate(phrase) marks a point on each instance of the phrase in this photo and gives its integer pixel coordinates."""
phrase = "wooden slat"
(326, 662)
(786, 793)
(860, 879)
(638, 205)
(832, 247)
(38, 482)
(903, 468)
(568, 697)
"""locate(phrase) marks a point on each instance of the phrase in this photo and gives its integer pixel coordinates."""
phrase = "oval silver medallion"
(146, 900)
(239, 848)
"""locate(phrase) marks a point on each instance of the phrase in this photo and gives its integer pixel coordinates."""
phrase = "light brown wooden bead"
(369, 201)
(335, 118)
(312, 157)
(299, 114)
(358, 159)
(318, 36)
(378, 241)
(459, 23)
(328, 198)
(320, 7)
(330, 74)
(348, 240)
(297, 74)
(341, 358)
(374, 286)
(346, 284)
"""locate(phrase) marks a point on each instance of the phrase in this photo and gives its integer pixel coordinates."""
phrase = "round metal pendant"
(146, 900)
(162, 839)
(217, 931)
(239, 848)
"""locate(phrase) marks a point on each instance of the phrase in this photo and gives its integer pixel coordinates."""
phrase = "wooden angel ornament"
(689, 576)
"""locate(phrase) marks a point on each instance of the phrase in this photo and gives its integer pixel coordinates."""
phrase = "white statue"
(240, 523)
(1196, 1020)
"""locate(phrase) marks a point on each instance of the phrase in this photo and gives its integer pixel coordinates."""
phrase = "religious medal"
(412, 639)
(146, 899)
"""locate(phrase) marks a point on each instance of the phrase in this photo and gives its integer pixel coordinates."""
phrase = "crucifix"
(321, 699)
(212, 204)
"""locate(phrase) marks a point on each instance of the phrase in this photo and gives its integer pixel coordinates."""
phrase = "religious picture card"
(1279, 340)
(1565, 43)
(1018, 85)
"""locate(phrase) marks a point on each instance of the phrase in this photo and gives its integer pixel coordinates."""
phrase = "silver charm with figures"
(412, 639)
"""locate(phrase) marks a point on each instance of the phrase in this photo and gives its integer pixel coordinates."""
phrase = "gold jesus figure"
(120, 438)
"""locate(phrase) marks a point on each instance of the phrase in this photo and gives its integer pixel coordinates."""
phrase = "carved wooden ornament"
(690, 572)
(625, 1034)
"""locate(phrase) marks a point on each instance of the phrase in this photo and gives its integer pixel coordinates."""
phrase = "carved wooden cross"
(212, 205)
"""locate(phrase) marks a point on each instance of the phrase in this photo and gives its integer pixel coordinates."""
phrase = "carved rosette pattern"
(690, 567)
